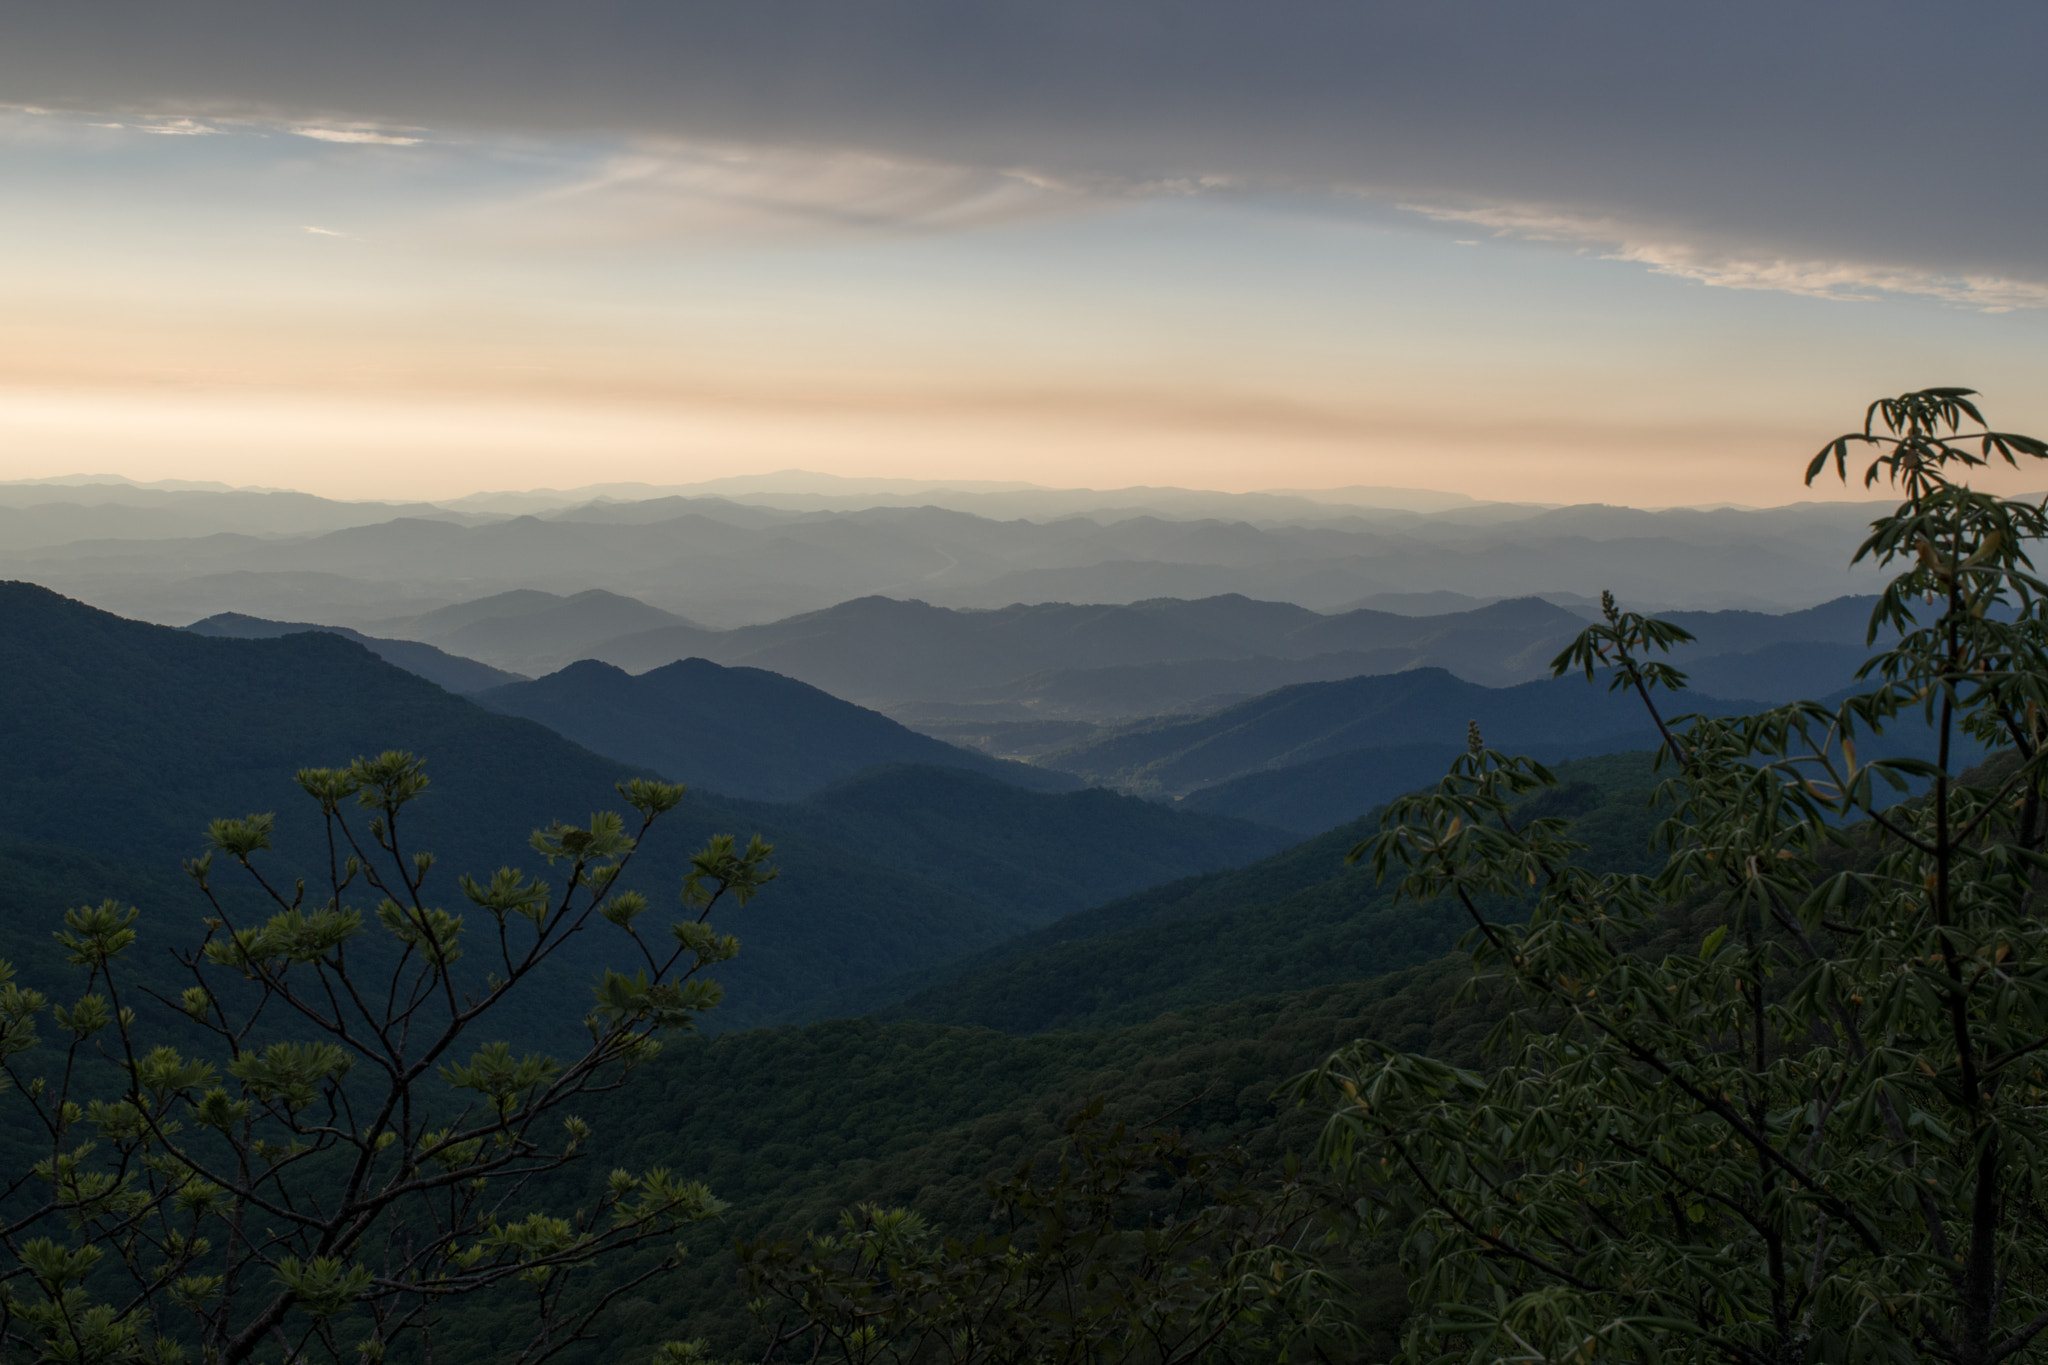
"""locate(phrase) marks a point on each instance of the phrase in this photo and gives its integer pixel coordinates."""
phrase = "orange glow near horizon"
(316, 318)
(372, 447)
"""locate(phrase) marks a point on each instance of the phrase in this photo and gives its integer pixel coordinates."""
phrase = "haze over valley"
(1312, 665)
(176, 555)
(1299, 709)
(1073, 682)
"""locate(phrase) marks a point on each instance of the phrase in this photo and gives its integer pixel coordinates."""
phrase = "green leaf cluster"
(1815, 1131)
(317, 1170)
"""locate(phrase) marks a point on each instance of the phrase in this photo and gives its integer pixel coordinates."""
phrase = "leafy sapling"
(1781, 1100)
(357, 1151)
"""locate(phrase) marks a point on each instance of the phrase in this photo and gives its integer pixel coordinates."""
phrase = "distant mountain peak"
(879, 604)
(741, 731)
(1523, 609)
(590, 669)
(451, 671)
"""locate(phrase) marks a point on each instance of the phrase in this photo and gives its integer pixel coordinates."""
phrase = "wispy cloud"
(1740, 164)
(357, 134)
(176, 127)
(659, 190)
(1666, 253)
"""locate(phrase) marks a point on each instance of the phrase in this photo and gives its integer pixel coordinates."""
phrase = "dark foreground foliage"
(1816, 1133)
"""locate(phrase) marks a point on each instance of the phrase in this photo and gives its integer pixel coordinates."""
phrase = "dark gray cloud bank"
(1901, 142)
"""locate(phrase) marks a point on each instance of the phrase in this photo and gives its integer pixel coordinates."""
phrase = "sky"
(1645, 254)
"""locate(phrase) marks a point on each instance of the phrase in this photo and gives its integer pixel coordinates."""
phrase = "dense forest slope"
(1300, 918)
(1035, 857)
(793, 1125)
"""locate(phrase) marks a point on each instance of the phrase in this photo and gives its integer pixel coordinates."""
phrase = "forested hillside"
(795, 1124)
(792, 1126)
(121, 740)
(1034, 856)
(1300, 918)
(889, 871)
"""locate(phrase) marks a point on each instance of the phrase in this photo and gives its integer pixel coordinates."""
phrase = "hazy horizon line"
(816, 483)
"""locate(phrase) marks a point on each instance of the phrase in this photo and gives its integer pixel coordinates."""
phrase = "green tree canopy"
(1781, 1099)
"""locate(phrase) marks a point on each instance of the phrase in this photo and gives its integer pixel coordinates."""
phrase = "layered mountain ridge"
(739, 560)
(120, 740)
